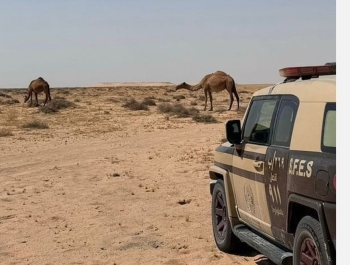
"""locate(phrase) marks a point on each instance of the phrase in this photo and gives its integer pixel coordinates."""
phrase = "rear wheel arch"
(300, 207)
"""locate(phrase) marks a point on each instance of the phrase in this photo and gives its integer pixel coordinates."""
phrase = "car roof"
(321, 89)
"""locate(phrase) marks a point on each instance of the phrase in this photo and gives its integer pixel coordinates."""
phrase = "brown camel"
(37, 86)
(214, 82)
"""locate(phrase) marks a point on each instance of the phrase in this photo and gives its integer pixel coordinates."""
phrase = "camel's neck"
(192, 88)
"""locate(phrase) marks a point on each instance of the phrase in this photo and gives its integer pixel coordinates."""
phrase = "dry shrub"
(55, 105)
(65, 92)
(12, 116)
(4, 95)
(179, 97)
(5, 132)
(114, 100)
(149, 101)
(35, 124)
(59, 97)
(177, 109)
(193, 103)
(9, 102)
(133, 104)
(204, 118)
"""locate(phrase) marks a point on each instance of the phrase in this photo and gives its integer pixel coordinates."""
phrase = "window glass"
(329, 129)
(285, 122)
(257, 127)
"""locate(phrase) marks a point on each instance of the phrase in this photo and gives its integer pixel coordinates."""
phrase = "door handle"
(258, 165)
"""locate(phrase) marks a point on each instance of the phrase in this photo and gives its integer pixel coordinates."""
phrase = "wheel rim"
(221, 215)
(309, 254)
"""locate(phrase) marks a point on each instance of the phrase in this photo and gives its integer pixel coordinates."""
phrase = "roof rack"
(307, 72)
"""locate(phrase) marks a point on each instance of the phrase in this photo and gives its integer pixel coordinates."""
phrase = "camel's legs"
(231, 99)
(36, 99)
(46, 98)
(206, 98)
(211, 100)
(31, 96)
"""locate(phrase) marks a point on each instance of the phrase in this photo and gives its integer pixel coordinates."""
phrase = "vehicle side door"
(277, 156)
(248, 165)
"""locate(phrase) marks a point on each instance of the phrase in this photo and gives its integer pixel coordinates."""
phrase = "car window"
(329, 129)
(258, 123)
(284, 124)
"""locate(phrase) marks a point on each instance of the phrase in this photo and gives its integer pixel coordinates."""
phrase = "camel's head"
(179, 86)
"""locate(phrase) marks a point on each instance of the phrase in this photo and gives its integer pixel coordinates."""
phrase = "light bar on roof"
(296, 72)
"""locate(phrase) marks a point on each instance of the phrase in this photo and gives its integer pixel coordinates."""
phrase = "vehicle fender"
(215, 172)
(313, 204)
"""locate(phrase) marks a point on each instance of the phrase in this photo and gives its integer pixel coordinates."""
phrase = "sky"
(85, 42)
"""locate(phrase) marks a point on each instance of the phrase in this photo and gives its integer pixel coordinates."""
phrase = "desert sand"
(99, 183)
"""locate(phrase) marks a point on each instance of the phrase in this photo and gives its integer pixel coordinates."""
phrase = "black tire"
(225, 240)
(309, 244)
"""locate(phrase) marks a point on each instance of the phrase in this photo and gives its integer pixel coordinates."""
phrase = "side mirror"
(234, 131)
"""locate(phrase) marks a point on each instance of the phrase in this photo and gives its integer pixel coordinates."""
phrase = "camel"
(214, 82)
(37, 86)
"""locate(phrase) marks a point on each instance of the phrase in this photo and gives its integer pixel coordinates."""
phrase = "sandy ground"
(104, 184)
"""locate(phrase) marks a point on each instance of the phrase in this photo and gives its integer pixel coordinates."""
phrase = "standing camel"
(37, 86)
(214, 82)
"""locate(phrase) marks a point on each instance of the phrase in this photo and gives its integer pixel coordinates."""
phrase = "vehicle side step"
(274, 253)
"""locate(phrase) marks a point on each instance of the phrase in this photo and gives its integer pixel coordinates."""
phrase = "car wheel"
(309, 244)
(225, 240)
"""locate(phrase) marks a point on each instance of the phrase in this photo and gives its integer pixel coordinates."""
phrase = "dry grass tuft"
(204, 118)
(149, 101)
(11, 116)
(35, 124)
(177, 109)
(4, 95)
(56, 104)
(179, 97)
(9, 102)
(5, 132)
(133, 104)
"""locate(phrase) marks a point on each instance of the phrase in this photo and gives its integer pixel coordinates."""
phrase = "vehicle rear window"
(329, 129)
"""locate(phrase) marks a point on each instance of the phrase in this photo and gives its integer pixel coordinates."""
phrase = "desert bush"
(55, 105)
(35, 124)
(193, 103)
(179, 97)
(164, 100)
(204, 118)
(4, 95)
(201, 97)
(65, 92)
(177, 109)
(59, 97)
(5, 132)
(133, 104)
(149, 101)
(114, 100)
(9, 102)
(77, 100)
(11, 116)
